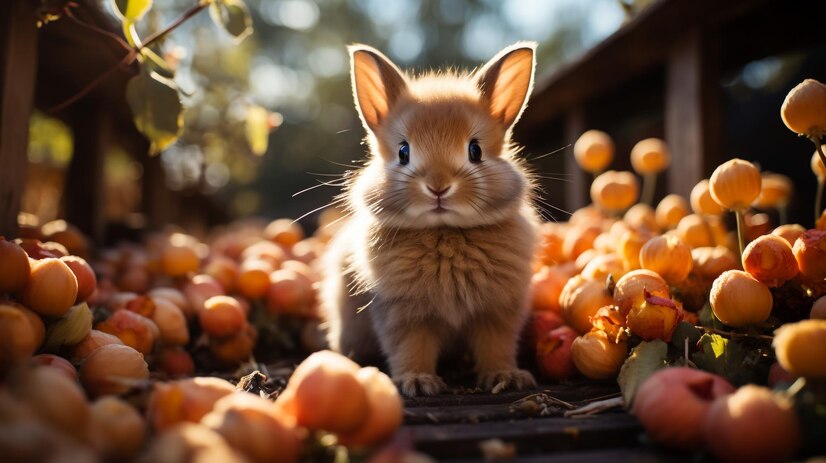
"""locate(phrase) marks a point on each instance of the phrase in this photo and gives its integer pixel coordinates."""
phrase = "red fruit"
(539, 324)
(673, 405)
(222, 316)
(553, 353)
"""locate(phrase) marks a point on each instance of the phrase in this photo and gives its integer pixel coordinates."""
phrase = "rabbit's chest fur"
(454, 274)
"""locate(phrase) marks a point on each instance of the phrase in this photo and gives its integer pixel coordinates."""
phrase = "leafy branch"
(152, 95)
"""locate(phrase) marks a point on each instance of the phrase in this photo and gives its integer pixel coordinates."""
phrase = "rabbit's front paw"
(419, 384)
(496, 381)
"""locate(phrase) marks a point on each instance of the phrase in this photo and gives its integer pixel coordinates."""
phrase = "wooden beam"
(576, 190)
(692, 110)
(84, 187)
(18, 66)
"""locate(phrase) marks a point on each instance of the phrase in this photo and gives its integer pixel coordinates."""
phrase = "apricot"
(673, 405)
(775, 191)
(134, 330)
(670, 211)
(176, 362)
(199, 289)
(593, 151)
(171, 323)
(710, 262)
(702, 202)
(254, 278)
(656, 318)
(252, 426)
(289, 293)
(284, 232)
(818, 311)
(68, 235)
(810, 253)
(752, 425)
(800, 348)
(194, 443)
(179, 257)
(58, 363)
(615, 191)
(386, 410)
(735, 184)
(668, 256)
(630, 289)
(546, 286)
(265, 250)
(804, 109)
(770, 260)
(579, 239)
(222, 316)
(118, 430)
(91, 342)
(54, 398)
(86, 280)
(224, 270)
(185, 400)
(314, 391)
(650, 156)
(579, 301)
(641, 215)
(598, 357)
(52, 288)
(20, 334)
(738, 299)
(235, 349)
(603, 265)
(789, 232)
(113, 369)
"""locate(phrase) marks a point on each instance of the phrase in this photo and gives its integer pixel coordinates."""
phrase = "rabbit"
(438, 247)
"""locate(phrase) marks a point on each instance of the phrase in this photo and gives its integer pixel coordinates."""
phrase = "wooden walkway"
(527, 426)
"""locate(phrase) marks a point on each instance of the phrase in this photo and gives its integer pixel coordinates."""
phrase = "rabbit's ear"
(507, 80)
(377, 84)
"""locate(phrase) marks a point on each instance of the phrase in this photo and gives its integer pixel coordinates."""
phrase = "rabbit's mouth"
(439, 209)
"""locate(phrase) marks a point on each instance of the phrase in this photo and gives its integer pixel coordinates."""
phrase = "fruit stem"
(819, 198)
(649, 185)
(741, 228)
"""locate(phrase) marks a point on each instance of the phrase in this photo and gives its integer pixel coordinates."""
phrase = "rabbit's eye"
(404, 153)
(474, 152)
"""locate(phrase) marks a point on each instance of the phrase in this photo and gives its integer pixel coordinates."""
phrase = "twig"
(735, 335)
(68, 12)
(128, 59)
(595, 407)
(188, 14)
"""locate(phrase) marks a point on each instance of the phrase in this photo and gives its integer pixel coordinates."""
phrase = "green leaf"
(645, 359)
(233, 16)
(156, 108)
(131, 10)
(685, 330)
(726, 358)
(257, 129)
(157, 63)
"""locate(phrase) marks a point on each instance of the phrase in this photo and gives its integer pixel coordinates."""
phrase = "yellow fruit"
(52, 288)
(702, 202)
(629, 290)
(735, 184)
(580, 300)
(738, 299)
(667, 256)
(179, 257)
(810, 252)
(804, 109)
(593, 151)
(20, 335)
(670, 211)
(800, 348)
(641, 216)
(615, 191)
(789, 232)
(386, 410)
(597, 357)
(817, 166)
(650, 156)
(14, 267)
(775, 191)
(710, 262)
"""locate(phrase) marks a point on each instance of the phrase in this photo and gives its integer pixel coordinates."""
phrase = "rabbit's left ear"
(507, 80)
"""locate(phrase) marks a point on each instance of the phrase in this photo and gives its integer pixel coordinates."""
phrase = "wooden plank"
(610, 430)
(83, 195)
(18, 64)
(692, 110)
(576, 190)
(612, 455)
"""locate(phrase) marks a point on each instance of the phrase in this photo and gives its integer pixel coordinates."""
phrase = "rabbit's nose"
(438, 193)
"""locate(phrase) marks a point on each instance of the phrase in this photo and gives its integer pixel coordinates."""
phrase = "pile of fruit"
(624, 290)
(129, 356)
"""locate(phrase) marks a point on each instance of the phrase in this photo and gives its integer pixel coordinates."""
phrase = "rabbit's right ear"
(377, 84)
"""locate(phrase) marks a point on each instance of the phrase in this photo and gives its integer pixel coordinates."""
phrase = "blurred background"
(295, 66)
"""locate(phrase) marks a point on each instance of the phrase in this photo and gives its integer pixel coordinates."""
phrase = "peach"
(800, 348)
(553, 353)
(179, 256)
(113, 369)
(289, 293)
(52, 288)
(224, 270)
(769, 259)
(752, 425)
(539, 324)
(86, 280)
(184, 400)
(171, 323)
(14, 267)
(673, 405)
(810, 252)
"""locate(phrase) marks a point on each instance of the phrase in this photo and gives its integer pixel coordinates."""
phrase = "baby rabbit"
(438, 248)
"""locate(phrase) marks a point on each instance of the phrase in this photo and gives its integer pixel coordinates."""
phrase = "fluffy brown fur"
(437, 252)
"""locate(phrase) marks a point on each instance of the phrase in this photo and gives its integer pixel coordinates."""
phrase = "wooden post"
(18, 66)
(83, 192)
(692, 110)
(576, 190)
